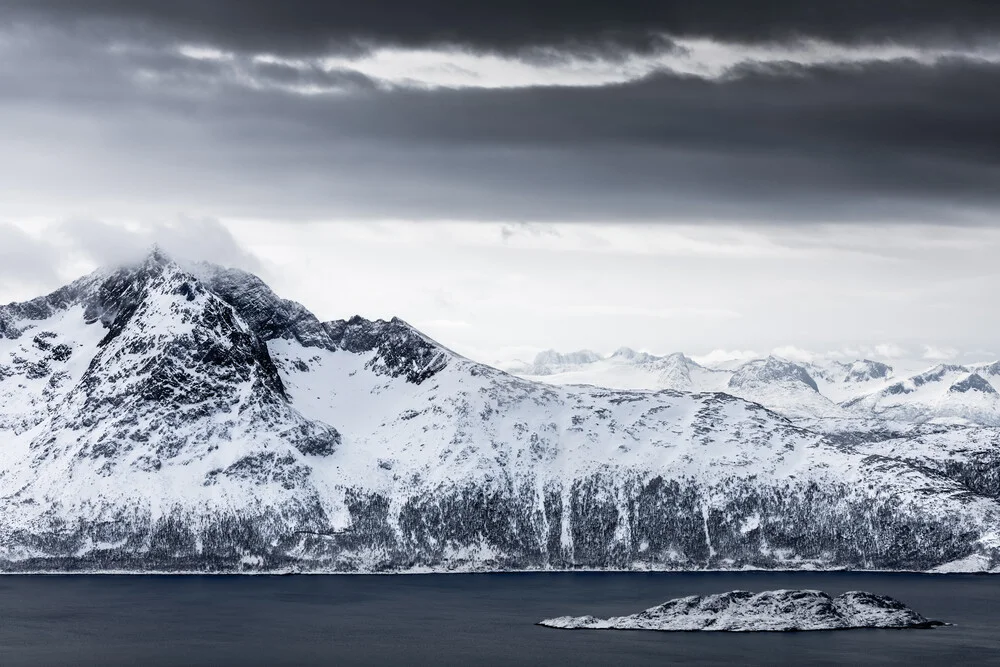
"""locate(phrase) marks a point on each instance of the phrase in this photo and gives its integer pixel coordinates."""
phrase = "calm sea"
(459, 620)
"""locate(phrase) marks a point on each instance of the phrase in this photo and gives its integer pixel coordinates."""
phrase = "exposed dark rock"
(399, 349)
(972, 383)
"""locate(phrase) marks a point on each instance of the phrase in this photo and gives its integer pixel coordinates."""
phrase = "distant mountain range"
(863, 389)
(173, 417)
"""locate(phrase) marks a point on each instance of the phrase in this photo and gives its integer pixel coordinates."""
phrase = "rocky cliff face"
(161, 418)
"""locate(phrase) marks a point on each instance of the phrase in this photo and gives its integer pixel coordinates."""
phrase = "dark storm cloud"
(304, 26)
(139, 125)
(879, 109)
(889, 140)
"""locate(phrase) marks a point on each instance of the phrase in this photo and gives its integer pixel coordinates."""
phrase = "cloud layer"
(818, 174)
(500, 291)
(304, 26)
(122, 128)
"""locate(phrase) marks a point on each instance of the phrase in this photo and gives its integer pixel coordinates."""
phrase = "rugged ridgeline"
(827, 390)
(162, 417)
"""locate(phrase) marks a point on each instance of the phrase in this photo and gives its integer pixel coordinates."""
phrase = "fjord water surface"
(460, 619)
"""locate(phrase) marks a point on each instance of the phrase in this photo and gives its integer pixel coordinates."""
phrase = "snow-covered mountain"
(782, 386)
(944, 393)
(551, 362)
(165, 417)
(624, 369)
(840, 381)
(826, 390)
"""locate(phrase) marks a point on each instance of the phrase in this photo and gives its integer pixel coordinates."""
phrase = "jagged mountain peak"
(102, 293)
(174, 370)
(269, 315)
(397, 348)
(172, 343)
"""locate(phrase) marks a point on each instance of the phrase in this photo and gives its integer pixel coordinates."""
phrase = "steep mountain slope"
(188, 418)
(609, 478)
(179, 419)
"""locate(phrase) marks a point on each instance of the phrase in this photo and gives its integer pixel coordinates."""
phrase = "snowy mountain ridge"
(862, 389)
(162, 417)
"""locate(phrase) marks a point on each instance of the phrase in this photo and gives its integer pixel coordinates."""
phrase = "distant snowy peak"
(675, 372)
(770, 372)
(947, 392)
(840, 381)
(783, 386)
(937, 374)
(863, 389)
(866, 370)
(932, 380)
(680, 372)
(625, 368)
(630, 355)
(550, 361)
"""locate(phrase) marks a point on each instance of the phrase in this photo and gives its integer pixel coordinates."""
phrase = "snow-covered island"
(769, 611)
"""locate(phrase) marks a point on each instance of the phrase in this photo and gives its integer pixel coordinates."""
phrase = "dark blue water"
(459, 620)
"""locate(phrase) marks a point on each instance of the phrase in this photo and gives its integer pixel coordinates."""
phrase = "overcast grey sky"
(518, 175)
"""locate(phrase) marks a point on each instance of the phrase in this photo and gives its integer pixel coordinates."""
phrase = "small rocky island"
(769, 611)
